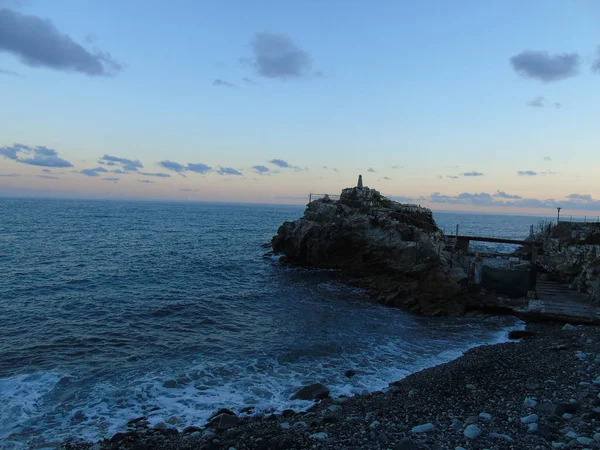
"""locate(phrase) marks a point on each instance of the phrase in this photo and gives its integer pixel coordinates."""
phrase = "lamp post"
(558, 208)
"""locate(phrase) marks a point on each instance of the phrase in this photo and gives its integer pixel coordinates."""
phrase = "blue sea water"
(103, 304)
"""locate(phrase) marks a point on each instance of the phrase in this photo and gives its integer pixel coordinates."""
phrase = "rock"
(504, 437)
(393, 247)
(285, 426)
(288, 413)
(219, 412)
(472, 431)
(485, 416)
(567, 416)
(585, 440)
(226, 421)
(597, 437)
(319, 436)
(571, 407)
(530, 402)
(532, 427)
(529, 419)
(568, 327)
(170, 384)
(406, 444)
(336, 409)
(519, 334)
(191, 429)
(300, 425)
(349, 373)
(571, 435)
(316, 391)
(424, 428)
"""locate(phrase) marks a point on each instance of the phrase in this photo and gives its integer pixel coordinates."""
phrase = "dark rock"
(569, 408)
(219, 412)
(329, 418)
(519, 334)
(316, 391)
(406, 444)
(170, 384)
(282, 442)
(288, 413)
(191, 429)
(225, 421)
(349, 373)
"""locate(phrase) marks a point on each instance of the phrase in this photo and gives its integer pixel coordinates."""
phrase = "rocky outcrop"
(572, 252)
(393, 249)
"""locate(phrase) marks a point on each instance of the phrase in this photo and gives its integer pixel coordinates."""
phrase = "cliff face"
(396, 250)
(572, 250)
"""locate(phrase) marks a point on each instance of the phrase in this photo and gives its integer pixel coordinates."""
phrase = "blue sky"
(457, 105)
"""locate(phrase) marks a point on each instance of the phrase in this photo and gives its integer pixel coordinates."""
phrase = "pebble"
(472, 432)
(530, 402)
(460, 448)
(532, 427)
(424, 428)
(597, 437)
(530, 419)
(335, 409)
(300, 425)
(485, 416)
(567, 416)
(596, 381)
(319, 436)
(374, 424)
(285, 426)
(585, 440)
(568, 327)
(571, 435)
(505, 437)
(558, 445)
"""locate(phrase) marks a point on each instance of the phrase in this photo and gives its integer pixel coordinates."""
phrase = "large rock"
(393, 249)
(316, 391)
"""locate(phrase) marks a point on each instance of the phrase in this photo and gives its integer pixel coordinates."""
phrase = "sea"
(111, 310)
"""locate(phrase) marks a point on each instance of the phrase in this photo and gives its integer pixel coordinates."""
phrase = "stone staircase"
(557, 300)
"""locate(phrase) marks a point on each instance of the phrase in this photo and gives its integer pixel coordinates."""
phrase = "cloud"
(126, 164)
(249, 81)
(228, 171)
(146, 181)
(542, 66)
(537, 102)
(572, 201)
(198, 168)
(93, 172)
(386, 178)
(472, 174)
(10, 73)
(261, 169)
(596, 63)
(277, 56)
(158, 174)
(49, 177)
(526, 173)
(280, 163)
(397, 167)
(172, 165)
(557, 105)
(10, 175)
(452, 176)
(46, 171)
(503, 194)
(547, 158)
(119, 171)
(370, 169)
(34, 156)
(111, 179)
(188, 190)
(223, 83)
(38, 43)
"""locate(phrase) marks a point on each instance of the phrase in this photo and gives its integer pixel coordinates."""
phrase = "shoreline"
(511, 395)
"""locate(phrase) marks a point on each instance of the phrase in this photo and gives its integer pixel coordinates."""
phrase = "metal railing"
(312, 197)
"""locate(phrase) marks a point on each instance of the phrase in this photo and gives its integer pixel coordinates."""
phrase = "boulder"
(519, 334)
(316, 391)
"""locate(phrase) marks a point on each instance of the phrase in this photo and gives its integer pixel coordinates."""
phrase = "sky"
(464, 105)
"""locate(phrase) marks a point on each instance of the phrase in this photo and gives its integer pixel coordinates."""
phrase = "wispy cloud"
(370, 169)
(181, 169)
(49, 177)
(277, 56)
(452, 176)
(146, 181)
(38, 43)
(472, 174)
(198, 168)
(188, 190)
(93, 172)
(503, 194)
(526, 173)
(547, 158)
(223, 83)
(537, 102)
(157, 174)
(128, 165)
(596, 63)
(111, 179)
(10, 73)
(34, 156)
(10, 175)
(172, 165)
(249, 81)
(542, 66)
(228, 171)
